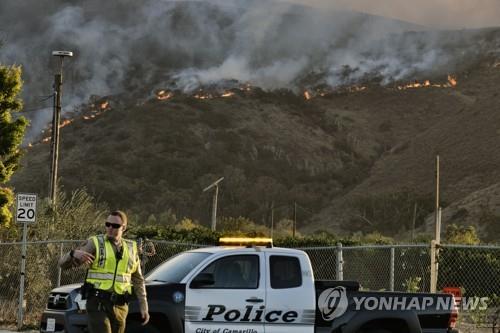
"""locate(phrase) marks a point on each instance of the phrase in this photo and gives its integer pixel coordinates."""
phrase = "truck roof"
(249, 249)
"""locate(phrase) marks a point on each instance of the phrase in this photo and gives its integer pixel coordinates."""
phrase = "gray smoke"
(443, 14)
(136, 46)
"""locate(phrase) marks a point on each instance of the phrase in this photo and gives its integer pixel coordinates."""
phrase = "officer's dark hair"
(122, 217)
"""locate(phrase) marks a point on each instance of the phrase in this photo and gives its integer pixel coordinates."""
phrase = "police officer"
(114, 267)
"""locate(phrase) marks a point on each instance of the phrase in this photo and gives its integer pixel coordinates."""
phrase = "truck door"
(290, 294)
(228, 293)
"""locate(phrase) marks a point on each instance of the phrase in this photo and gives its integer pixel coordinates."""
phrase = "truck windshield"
(176, 268)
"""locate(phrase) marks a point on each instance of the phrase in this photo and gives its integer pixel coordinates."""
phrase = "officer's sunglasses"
(114, 225)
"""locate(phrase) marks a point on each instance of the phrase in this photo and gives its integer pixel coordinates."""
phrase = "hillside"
(335, 113)
(154, 156)
(462, 127)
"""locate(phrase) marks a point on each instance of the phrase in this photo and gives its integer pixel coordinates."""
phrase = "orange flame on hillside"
(452, 82)
(203, 96)
(322, 92)
(104, 105)
(47, 139)
(163, 95)
(227, 94)
(417, 84)
(66, 122)
(246, 87)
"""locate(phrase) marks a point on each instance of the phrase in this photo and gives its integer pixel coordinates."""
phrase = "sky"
(443, 14)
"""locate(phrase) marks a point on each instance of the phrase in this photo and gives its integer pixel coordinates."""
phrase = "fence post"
(391, 278)
(20, 313)
(59, 270)
(142, 253)
(340, 263)
(434, 266)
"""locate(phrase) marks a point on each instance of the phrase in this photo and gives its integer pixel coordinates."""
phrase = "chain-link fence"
(389, 267)
(385, 267)
(42, 273)
(476, 269)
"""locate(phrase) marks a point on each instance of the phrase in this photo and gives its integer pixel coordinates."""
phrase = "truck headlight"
(81, 304)
(178, 297)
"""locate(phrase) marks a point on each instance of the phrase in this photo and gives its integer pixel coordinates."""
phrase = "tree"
(11, 135)
(466, 235)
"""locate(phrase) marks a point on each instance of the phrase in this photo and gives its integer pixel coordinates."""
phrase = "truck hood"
(73, 287)
(67, 288)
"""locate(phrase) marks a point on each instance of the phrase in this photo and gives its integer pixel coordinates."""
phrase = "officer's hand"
(145, 317)
(83, 257)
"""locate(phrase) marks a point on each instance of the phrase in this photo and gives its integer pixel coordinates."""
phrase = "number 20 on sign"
(26, 208)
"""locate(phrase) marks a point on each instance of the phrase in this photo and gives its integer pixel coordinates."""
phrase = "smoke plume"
(137, 46)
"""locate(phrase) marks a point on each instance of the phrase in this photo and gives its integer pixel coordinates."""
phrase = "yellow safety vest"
(102, 271)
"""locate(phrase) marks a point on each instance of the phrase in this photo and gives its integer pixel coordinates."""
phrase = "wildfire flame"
(104, 105)
(200, 94)
(227, 94)
(246, 87)
(322, 92)
(66, 122)
(30, 145)
(496, 64)
(417, 84)
(203, 96)
(452, 80)
(163, 95)
(45, 140)
(92, 116)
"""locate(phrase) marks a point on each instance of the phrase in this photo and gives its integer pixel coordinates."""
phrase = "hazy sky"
(435, 13)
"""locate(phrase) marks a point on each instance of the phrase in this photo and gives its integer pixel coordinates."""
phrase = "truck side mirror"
(202, 280)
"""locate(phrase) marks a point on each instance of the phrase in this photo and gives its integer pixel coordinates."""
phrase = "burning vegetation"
(89, 112)
(164, 95)
(452, 82)
(99, 106)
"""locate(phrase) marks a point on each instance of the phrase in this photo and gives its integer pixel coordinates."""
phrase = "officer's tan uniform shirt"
(137, 278)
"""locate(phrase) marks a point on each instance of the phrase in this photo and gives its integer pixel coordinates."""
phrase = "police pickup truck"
(257, 289)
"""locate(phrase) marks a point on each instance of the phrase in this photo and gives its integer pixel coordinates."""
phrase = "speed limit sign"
(26, 207)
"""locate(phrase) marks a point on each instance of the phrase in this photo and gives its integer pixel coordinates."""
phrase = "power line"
(42, 99)
(32, 110)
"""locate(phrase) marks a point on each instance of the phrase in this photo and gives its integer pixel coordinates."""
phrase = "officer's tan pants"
(104, 317)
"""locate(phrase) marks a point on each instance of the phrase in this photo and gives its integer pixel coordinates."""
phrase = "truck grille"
(59, 301)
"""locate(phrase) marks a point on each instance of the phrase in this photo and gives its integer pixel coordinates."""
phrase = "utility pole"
(272, 218)
(294, 218)
(56, 119)
(413, 221)
(437, 226)
(214, 201)
(437, 236)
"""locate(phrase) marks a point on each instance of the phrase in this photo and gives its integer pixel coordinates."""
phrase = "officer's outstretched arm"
(83, 255)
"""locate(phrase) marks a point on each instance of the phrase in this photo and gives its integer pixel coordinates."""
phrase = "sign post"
(25, 213)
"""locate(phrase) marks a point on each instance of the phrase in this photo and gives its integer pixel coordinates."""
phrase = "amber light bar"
(245, 241)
